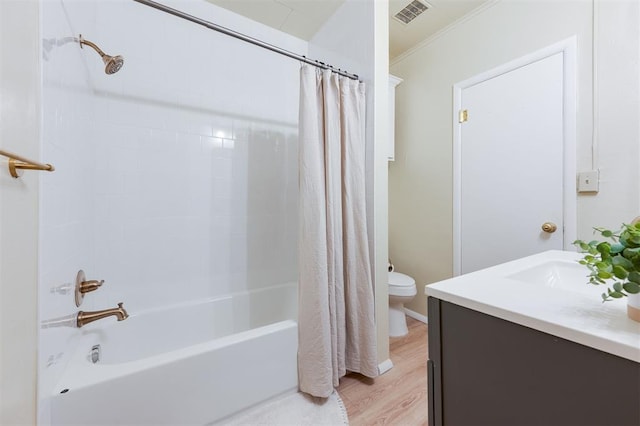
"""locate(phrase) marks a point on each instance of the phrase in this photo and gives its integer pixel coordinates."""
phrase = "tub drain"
(95, 353)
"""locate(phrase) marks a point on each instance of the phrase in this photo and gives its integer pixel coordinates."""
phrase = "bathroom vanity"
(528, 342)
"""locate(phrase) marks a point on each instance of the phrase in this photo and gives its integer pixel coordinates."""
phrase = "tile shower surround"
(176, 178)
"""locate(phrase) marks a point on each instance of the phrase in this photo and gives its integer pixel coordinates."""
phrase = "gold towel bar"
(17, 162)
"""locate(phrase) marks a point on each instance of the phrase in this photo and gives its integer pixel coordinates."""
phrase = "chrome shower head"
(112, 63)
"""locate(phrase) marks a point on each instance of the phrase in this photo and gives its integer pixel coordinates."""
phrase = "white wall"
(421, 177)
(617, 118)
(176, 177)
(356, 39)
(20, 133)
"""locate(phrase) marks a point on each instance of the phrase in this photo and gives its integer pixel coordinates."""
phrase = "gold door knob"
(549, 227)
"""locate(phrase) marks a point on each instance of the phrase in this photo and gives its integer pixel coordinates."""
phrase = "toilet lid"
(401, 280)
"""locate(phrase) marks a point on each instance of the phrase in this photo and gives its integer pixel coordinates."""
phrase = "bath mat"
(294, 410)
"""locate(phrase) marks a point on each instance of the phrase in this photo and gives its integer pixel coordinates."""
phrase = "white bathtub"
(189, 364)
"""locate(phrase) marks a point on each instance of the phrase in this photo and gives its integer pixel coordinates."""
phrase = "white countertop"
(576, 314)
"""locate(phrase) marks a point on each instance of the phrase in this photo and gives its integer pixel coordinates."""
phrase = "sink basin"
(558, 274)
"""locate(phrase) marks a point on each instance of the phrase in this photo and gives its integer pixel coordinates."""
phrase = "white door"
(510, 169)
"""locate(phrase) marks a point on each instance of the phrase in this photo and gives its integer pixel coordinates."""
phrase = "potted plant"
(616, 262)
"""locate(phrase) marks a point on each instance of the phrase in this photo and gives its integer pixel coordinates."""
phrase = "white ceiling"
(303, 18)
(300, 18)
(402, 37)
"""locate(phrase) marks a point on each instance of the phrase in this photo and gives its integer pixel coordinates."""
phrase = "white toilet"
(402, 289)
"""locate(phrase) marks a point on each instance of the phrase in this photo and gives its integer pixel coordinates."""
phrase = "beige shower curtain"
(336, 307)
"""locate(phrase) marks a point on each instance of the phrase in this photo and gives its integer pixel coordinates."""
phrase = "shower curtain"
(336, 303)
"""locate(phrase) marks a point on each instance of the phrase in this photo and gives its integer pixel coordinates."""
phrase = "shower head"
(112, 63)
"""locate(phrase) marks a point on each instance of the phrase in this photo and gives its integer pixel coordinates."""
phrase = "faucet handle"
(83, 286)
(89, 286)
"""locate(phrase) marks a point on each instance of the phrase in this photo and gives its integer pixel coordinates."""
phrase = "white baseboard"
(385, 366)
(416, 315)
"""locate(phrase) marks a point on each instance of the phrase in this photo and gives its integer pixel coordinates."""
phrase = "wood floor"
(398, 397)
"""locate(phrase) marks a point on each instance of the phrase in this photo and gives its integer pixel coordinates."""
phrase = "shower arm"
(82, 42)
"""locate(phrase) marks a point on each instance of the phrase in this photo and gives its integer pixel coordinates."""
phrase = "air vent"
(411, 11)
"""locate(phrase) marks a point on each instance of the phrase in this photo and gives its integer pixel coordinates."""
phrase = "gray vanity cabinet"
(487, 371)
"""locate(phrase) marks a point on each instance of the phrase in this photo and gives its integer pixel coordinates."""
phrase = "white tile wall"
(175, 178)
(66, 231)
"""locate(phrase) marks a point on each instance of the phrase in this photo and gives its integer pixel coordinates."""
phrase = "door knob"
(549, 227)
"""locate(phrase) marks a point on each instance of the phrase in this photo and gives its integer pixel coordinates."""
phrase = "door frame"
(568, 49)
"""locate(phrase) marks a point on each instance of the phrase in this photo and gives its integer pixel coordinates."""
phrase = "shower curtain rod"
(244, 37)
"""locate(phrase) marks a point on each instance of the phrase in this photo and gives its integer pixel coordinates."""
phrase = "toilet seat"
(401, 285)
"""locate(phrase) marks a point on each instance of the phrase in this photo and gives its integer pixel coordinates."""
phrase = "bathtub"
(194, 363)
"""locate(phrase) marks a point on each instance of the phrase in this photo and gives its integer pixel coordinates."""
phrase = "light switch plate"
(588, 181)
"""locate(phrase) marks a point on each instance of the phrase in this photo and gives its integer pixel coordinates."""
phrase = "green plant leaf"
(623, 262)
(634, 276)
(606, 233)
(616, 248)
(630, 253)
(628, 242)
(619, 272)
(631, 288)
(604, 275)
(604, 248)
(616, 294)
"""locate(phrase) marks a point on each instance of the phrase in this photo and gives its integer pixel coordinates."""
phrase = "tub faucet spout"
(85, 318)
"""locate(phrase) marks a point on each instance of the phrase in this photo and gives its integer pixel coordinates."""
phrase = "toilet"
(402, 289)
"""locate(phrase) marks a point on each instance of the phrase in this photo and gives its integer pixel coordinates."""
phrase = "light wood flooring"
(398, 397)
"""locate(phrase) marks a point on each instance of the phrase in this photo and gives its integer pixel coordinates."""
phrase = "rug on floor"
(295, 410)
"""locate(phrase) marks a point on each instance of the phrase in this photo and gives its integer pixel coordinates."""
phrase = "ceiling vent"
(411, 11)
